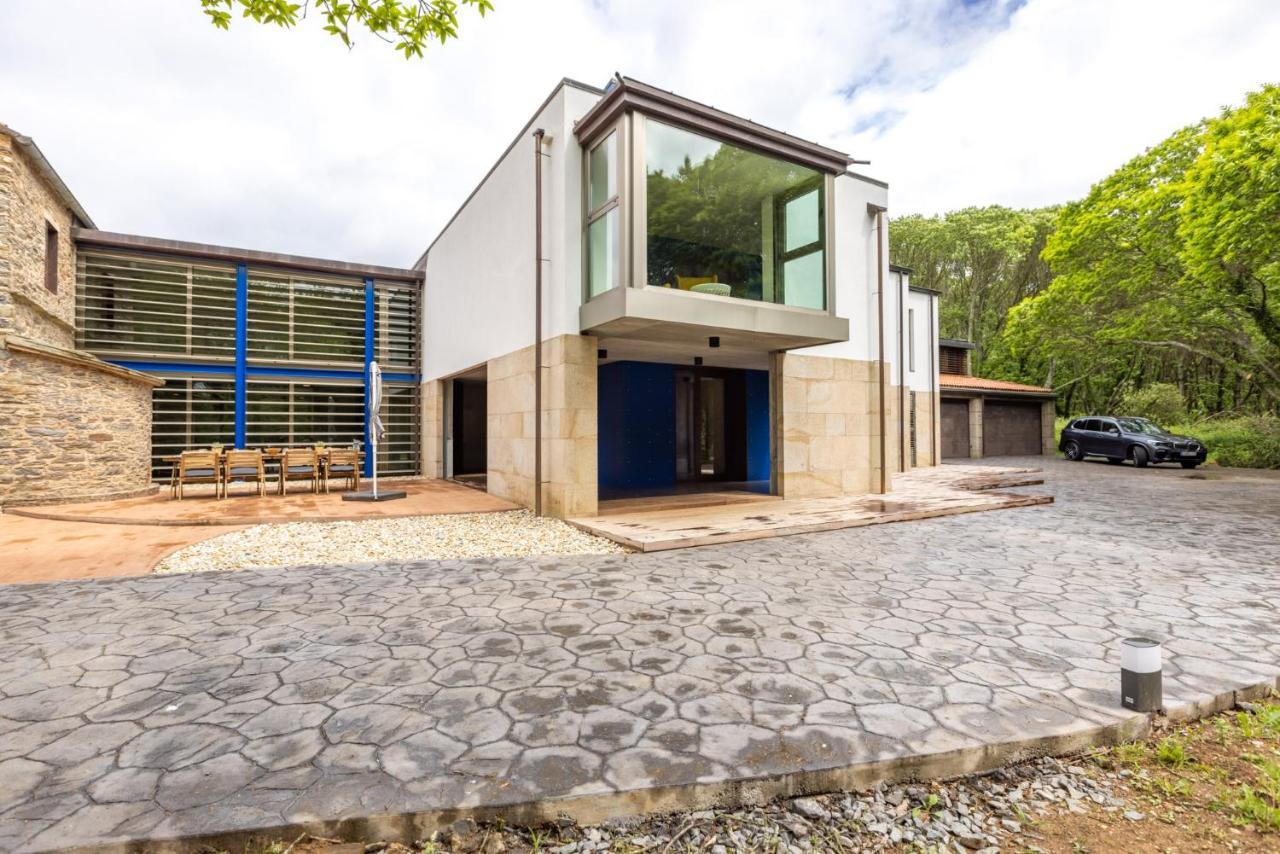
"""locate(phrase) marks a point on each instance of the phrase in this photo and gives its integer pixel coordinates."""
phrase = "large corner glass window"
(726, 221)
(602, 216)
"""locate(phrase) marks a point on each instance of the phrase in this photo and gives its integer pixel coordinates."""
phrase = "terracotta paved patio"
(244, 507)
(105, 539)
(920, 494)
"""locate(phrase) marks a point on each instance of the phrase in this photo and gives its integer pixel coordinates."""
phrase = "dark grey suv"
(1120, 439)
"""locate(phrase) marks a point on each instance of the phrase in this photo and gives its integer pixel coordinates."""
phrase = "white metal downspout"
(878, 211)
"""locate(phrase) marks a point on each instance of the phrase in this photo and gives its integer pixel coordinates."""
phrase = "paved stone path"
(205, 704)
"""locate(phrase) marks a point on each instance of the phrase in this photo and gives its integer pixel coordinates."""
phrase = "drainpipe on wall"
(935, 406)
(537, 321)
(878, 212)
(902, 377)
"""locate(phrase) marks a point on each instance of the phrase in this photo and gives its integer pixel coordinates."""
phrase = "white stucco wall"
(479, 293)
(855, 271)
(923, 304)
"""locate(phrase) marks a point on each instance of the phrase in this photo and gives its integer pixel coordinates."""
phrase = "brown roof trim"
(921, 289)
(628, 94)
(28, 147)
(78, 358)
(958, 343)
(876, 182)
(182, 248)
(945, 390)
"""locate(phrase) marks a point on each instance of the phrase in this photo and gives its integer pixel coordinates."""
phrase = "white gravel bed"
(517, 533)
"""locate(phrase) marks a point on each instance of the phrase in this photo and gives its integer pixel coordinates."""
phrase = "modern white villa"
(717, 310)
(644, 296)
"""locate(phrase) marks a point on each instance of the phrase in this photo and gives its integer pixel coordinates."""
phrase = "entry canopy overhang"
(667, 315)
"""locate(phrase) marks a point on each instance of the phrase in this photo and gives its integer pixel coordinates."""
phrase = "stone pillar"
(569, 435)
(432, 462)
(975, 428)
(1048, 414)
(826, 426)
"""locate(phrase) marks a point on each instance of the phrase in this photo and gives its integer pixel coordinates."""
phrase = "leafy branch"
(409, 25)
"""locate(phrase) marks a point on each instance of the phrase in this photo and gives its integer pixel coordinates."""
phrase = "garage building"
(990, 418)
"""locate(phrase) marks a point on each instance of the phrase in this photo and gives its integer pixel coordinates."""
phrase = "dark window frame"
(51, 237)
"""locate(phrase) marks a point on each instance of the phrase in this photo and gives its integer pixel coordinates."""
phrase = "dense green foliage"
(983, 260)
(409, 25)
(1159, 290)
(1161, 402)
(1249, 442)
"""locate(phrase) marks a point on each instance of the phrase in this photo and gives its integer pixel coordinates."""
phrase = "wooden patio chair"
(345, 464)
(299, 464)
(246, 466)
(197, 467)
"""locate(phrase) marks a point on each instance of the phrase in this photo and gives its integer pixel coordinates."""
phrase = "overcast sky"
(284, 140)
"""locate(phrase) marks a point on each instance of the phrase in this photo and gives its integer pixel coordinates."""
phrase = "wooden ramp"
(921, 494)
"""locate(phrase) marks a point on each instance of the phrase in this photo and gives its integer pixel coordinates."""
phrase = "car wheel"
(1115, 461)
(1073, 452)
(1140, 456)
(1189, 464)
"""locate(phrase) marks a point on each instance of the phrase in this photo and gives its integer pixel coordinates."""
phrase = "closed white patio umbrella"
(377, 433)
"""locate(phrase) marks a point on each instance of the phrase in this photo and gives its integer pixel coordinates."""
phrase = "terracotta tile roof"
(984, 384)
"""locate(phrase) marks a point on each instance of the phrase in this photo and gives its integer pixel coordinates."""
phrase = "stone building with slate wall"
(71, 425)
(119, 351)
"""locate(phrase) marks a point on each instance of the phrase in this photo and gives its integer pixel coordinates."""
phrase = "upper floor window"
(724, 220)
(602, 216)
(51, 257)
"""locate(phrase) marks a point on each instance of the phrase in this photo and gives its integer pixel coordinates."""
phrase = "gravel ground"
(517, 533)
(988, 813)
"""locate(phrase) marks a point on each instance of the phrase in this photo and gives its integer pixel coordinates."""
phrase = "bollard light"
(1141, 684)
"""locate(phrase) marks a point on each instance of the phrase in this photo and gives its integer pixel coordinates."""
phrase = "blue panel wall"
(637, 424)
(757, 425)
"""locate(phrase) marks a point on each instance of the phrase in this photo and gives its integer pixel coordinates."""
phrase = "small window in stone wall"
(51, 258)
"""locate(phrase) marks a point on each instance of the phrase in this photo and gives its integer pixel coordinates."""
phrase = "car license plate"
(1188, 453)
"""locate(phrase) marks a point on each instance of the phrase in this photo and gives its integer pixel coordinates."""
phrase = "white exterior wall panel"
(479, 301)
(855, 271)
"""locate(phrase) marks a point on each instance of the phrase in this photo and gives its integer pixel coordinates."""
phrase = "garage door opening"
(955, 429)
(1010, 428)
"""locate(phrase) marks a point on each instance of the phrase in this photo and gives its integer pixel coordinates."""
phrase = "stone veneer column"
(975, 428)
(569, 435)
(1048, 414)
(432, 429)
(826, 426)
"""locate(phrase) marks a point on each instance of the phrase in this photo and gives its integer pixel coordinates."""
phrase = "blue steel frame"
(243, 371)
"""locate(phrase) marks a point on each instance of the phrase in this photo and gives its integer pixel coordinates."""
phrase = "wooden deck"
(943, 491)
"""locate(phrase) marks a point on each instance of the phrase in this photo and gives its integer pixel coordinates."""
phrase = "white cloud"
(282, 140)
(1069, 92)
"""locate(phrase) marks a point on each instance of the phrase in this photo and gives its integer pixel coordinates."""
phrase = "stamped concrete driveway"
(391, 696)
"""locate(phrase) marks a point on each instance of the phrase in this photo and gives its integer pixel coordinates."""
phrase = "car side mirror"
(1114, 431)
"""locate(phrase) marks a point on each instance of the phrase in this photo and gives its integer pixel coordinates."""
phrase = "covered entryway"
(1011, 428)
(955, 428)
(674, 430)
(466, 429)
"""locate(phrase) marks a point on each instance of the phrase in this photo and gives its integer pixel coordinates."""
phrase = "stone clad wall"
(69, 431)
(569, 434)
(27, 204)
(827, 426)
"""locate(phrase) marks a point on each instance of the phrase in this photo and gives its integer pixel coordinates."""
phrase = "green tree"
(983, 260)
(409, 25)
(1230, 223)
(1162, 273)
